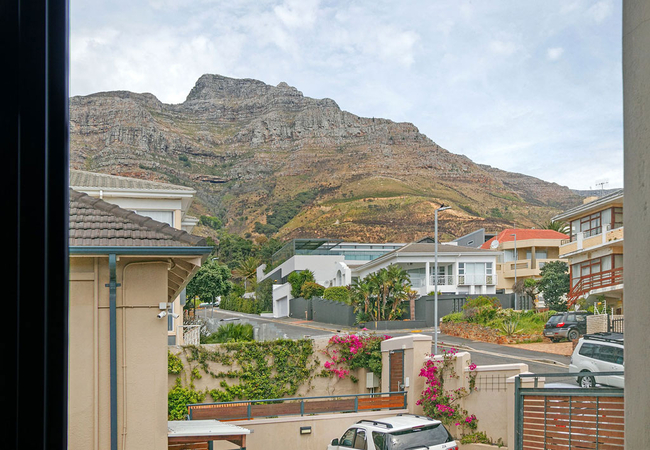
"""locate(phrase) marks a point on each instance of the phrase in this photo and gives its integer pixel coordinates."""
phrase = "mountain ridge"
(250, 149)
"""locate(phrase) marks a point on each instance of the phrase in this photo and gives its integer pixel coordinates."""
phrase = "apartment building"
(594, 251)
(523, 253)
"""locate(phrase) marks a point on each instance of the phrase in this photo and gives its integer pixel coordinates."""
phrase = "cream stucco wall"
(141, 354)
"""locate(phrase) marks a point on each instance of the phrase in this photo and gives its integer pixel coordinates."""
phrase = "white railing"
(476, 280)
(191, 334)
(443, 280)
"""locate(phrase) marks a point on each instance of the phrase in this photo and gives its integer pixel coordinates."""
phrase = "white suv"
(599, 352)
(400, 432)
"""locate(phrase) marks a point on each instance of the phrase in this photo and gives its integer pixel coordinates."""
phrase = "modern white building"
(163, 202)
(335, 263)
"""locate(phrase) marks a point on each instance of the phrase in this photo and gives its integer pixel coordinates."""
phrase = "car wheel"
(573, 334)
(586, 381)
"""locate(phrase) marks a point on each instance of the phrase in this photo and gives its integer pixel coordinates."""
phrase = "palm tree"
(247, 270)
(556, 225)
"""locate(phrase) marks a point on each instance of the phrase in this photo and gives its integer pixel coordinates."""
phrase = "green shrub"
(298, 279)
(178, 399)
(337, 294)
(174, 363)
(230, 332)
(311, 289)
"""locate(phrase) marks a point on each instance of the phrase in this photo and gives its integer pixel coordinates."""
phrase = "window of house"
(509, 255)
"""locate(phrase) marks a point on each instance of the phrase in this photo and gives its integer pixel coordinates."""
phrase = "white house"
(465, 270)
(335, 263)
(163, 202)
(331, 261)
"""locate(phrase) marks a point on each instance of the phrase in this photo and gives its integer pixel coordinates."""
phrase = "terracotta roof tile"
(94, 222)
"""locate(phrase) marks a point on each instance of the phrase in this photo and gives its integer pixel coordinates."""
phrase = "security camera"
(162, 314)
(174, 315)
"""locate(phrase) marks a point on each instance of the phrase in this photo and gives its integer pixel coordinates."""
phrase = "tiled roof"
(524, 234)
(96, 223)
(83, 179)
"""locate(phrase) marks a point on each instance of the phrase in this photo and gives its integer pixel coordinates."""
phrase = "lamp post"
(516, 258)
(435, 277)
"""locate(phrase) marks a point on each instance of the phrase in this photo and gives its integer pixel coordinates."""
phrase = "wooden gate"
(396, 370)
(569, 418)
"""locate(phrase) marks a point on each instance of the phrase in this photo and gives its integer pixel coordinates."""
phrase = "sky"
(530, 86)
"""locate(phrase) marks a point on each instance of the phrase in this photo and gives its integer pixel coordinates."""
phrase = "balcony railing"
(606, 278)
(443, 280)
(477, 280)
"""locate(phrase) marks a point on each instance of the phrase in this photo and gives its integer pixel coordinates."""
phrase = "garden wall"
(315, 386)
(449, 303)
(388, 325)
(484, 334)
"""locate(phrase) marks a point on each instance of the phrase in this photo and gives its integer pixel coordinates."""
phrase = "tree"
(380, 294)
(556, 225)
(211, 281)
(298, 279)
(555, 284)
(247, 271)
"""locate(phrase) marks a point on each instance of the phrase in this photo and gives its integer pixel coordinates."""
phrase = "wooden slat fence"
(296, 406)
(569, 418)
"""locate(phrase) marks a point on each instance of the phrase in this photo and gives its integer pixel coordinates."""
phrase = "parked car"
(598, 352)
(568, 325)
(400, 432)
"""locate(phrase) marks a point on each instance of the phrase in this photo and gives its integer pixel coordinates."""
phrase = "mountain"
(268, 160)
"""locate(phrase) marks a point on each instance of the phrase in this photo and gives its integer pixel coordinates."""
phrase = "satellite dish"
(494, 244)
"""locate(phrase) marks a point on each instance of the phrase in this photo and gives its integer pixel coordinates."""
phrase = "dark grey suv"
(567, 325)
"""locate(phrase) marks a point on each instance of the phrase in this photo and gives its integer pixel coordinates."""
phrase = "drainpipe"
(113, 285)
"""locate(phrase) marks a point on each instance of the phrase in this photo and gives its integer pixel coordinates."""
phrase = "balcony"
(587, 240)
(600, 280)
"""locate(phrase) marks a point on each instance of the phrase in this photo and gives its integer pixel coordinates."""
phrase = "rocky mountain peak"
(218, 87)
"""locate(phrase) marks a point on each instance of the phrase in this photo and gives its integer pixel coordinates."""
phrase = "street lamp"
(435, 277)
(516, 258)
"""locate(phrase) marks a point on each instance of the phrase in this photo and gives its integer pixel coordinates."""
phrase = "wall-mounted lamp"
(305, 430)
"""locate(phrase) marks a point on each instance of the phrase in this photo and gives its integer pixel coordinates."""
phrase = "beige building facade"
(125, 271)
(523, 253)
(163, 202)
(594, 251)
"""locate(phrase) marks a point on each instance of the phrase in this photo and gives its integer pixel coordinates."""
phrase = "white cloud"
(600, 11)
(554, 53)
(503, 48)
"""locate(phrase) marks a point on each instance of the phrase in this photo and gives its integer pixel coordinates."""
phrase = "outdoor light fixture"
(305, 430)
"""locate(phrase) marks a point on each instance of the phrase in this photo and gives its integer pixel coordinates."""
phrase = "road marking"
(503, 355)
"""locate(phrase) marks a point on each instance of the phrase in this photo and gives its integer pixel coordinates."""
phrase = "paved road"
(482, 353)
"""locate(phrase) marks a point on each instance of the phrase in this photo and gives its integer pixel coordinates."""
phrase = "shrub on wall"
(311, 289)
(337, 294)
(354, 351)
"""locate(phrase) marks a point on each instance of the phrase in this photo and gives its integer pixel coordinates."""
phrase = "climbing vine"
(174, 363)
(441, 403)
(271, 369)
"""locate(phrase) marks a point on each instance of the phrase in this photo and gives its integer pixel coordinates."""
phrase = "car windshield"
(555, 319)
(417, 438)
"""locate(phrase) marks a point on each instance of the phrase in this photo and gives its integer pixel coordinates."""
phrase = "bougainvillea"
(348, 352)
(443, 404)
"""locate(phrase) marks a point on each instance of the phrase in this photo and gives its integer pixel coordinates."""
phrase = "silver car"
(599, 352)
